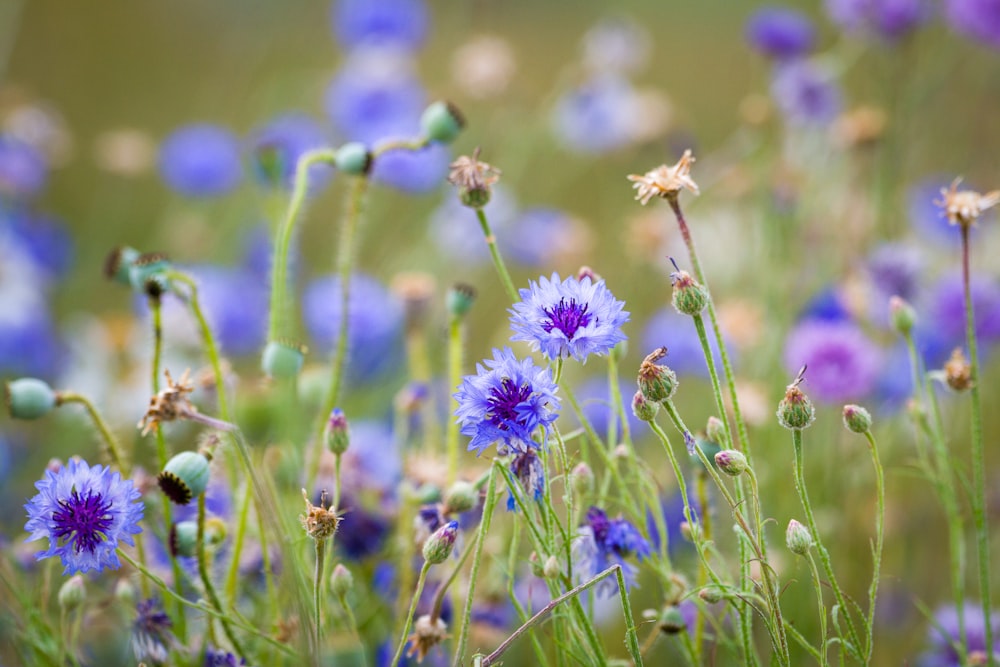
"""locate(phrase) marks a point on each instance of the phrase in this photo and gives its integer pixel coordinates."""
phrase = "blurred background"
(822, 137)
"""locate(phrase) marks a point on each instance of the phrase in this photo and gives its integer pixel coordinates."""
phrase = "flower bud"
(857, 419)
(29, 398)
(441, 122)
(124, 592)
(184, 538)
(341, 581)
(353, 158)
(118, 262)
(689, 297)
(552, 569)
(797, 538)
(184, 477)
(715, 431)
(796, 411)
(712, 594)
(902, 316)
(72, 593)
(147, 273)
(438, 546)
(958, 371)
(537, 567)
(459, 299)
(644, 409)
(337, 437)
(282, 360)
(731, 462)
(461, 497)
(671, 621)
(657, 383)
(582, 478)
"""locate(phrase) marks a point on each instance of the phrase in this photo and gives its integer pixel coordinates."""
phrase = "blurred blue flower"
(780, 32)
(594, 396)
(805, 93)
(46, 240)
(201, 160)
(374, 329)
(84, 512)
(945, 632)
(828, 304)
(455, 228)
(978, 19)
(542, 236)
(673, 516)
(372, 463)
(220, 658)
(236, 306)
(843, 362)
(945, 308)
(278, 146)
(413, 172)
(29, 343)
(895, 382)
(602, 542)
(927, 218)
(598, 116)
(572, 317)
(894, 269)
(507, 400)
(23, 170)
(677, 333)
(888, 19)
(362, 533)
(386, 23)
(152, 637)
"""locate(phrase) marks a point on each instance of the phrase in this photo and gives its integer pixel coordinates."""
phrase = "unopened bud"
(537, 567)
(582, 478)
(902, 316)
(731, 462)
(671, 621)
(459, 299)
(29, 398)
(438, 546)
(442, 122)
(125, 592)
(341, 581)
(587, 272)
(796, 411)
(711, 594)
(644, 409)
(798, 538)
(715, 431)
(461, 497)
(552, 569)
(656, 382)
(690, 297)
(857, 419)
(338, 438)
(958, 371)
(72, 593)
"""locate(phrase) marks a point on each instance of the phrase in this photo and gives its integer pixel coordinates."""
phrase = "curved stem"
(501, 268)
(114, 450)
(409, 615)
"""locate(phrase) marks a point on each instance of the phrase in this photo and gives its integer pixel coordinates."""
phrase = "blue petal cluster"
(946, 634)
(506, 401)
(978, 19)
(889, 20)
(201, 160)
(84, 512)
(278, 146)
(780, 32)
(806, 93)
(400, 24)
(603, 542)
(570, 318)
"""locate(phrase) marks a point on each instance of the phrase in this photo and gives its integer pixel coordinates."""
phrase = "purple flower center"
(599, 524)
(83, 521)
(567, 317)
(504, 400)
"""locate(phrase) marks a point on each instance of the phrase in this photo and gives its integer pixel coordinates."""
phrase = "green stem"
(240, 538)
(206, 581)
(114, 450)
(821, 608)
(454, 378)
(631, 634)
(879, 541)
(409, 615)
(978, 455)
(443, 587)
(317, 599)
(501, 268)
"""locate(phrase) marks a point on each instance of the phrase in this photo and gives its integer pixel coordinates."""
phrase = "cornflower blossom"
(978, 19)
(945, 308)
(219, 658)
(806, 93)
(603, 542)
(598, 116)
(201, 160)
(152, 638)
(843, 362)
(23, 170)
(780, 32)
(889, 20)
(664, 181)
(397, 24)
(944, 633)
(84, 512)
(527, 468)
(506, 402)
(570, 318)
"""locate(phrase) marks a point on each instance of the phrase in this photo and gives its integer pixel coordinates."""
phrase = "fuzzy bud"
(582, 478)
(731, 462)
(552, 569)
(118, 262)
(72, 593)
(709, 449)
(797, 538)
(690, 297)
(715, 431)
(184, 477)
(282, 360)
(460, 497)
(29, 398)
(644, 409)
(337, 437)
(537, 567)
(857, 419)
(796, 411)
(147, 273)
(656, 382)
(958, 371)
(712, 594)
(353, 158)
(459, 299)
(902, 316)
(442, 122)
(438, 546)
(671, 621)
(341, 581)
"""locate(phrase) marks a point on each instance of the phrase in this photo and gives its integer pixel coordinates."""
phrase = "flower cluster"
(603, 542)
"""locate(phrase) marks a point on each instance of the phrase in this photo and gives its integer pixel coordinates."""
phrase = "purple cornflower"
(602, 542)
(887, 19)
(829, 304)
(528, 470)
(278, 146)
(978, 19)
(152, 638)
(570, 318)
(84, 512)
(843, 362)
(400, 24)
(506, 401)
(543, 237)
(945, 308)
(677, 333)
(780, 32)
(945, 632)
(374, 329)
(894, 270)
(455, 228)
(235, 305)
(412, 172)
(597, 116)
(23, 171)
(219, 658)
(805, 93)
(201, 160)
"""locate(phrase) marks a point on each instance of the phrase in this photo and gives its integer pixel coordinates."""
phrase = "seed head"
(474, 179)
(319, 522)
(426, 635)
(664, 181)
(963, 207)
(958, 371)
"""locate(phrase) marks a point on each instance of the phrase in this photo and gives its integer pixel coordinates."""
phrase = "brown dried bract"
(665, 181)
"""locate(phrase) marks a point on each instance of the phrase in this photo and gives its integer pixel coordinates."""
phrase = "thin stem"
(879, 541)
(206, 580)
(114, 450)
(821, 608)
(238, 541)
(701, 491)
(317, 599)
(501, 268)
(454, 378)
(409, 615)
(978, 454)
(444, 585)
(631, 635)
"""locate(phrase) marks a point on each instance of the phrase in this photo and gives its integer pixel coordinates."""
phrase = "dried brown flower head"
(469, 173)
(426, 635)
(964, 207)
(319, 522)
(665, 181)
(171, 403)
(958, 371)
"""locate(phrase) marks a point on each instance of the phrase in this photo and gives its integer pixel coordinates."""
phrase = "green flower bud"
(731, 462)
(118, 263)
(657, 383)
(72, 593)
(29, 398)
(551, 569)
(689, 297)
(184, 538)
(459, 299)
(441, 122)
(341, 581)
(644, 409)
(461, 497)
(282, 360)
(124, 592)
(337, 437)
(184, 477)
(438, 546)
(796, 411)
(671, 621)
(148, 273)
(797, 538)
(712, 594)
(857, 419)
(537, 567)
(902, 316)
(354, 158)
(715, 431)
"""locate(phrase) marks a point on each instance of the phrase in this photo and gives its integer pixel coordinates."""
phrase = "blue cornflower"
(978, 19)
(152, 638)
(596, 117)
(278, 145)
(888, 19)
(201, 160)
(84, 512)
(946, 633)
(456, 232)
(894, 269)
(806, 93)
(46, 240)
(412, 172)
(235, 304)
(569, 318)
(544, 236)
(386, 23)
(780, 32)
(602, 542)
(528, 469)
(506, 401)
(219, 658)
(945, 308)
(843, 362)
(23, 170)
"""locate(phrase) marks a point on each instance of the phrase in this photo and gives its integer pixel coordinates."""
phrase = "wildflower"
(806, 93)
(393, 24)
(528, 470)
(201, 160)
(506, 401)
(569, 318)
(84, 512)
(152, 639)
(320, 521)
(426, 635)
(945, 634)
(780, 33)
(218, 658)
(796, 411)
(843, 362)
(978, 19)
(664, 181)
(958, 371)
(797, 538)
(945, 308)
(889, 19)
(603, 542)
(474, 179)
(171, 403)
(963, 207)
